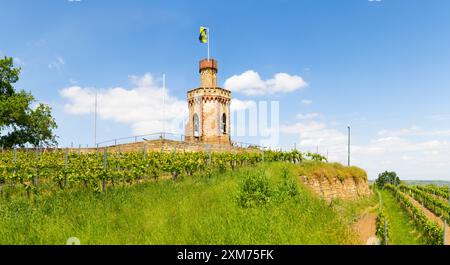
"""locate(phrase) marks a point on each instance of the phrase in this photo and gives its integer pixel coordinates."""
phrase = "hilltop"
(263, 204)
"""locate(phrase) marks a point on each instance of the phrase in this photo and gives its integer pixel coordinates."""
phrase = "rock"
(334, 188)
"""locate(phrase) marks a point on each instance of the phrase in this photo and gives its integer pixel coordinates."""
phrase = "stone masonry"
(209, 108)
(334, 188)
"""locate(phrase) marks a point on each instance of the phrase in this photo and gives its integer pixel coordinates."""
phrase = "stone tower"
(209, 108)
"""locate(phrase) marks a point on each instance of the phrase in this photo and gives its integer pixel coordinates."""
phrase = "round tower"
(209, 108)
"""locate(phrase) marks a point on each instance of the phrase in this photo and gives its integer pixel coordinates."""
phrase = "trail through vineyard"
(365, 227)
(433, 217)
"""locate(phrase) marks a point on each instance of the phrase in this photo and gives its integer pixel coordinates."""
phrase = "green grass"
(351, 211)
(331, 170)
(192, 210)
(402, 227)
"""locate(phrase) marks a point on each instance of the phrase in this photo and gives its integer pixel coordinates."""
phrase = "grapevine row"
(435, 205)
(99, 170)
(438, 191)
(433, 232)
(382, 224)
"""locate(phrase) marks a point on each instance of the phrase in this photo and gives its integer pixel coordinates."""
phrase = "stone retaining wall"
(334, 188)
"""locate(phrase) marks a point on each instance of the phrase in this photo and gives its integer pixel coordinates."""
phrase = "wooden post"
(37, 167)
(385, 232)
(144, 150)
(120, 156)
(210, 155)
(445, 225)
(104, 168)
(65, 166)
(15, 157)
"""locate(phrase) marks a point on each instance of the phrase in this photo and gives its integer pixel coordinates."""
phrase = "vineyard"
(426, 207)
(66, 179)
(257, 202)
(34, 171)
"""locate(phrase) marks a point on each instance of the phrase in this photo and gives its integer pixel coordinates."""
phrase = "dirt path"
(432, 217)
(365, 227)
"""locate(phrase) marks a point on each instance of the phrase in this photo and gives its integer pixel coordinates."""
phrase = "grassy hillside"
(246, 206)
(331, 170)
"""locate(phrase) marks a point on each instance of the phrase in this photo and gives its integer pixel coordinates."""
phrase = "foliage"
(191, 210)
(8, 76)
(331, 170)
(432, 231)
(382, 227)
(440, 191)
(287, 188)
(316, 157)
(402, 228)
(436, 205)
(387, 178)
(19, 122)
(255, 190)
(91, 170)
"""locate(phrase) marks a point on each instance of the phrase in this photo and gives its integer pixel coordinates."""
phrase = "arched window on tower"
(196, 127)
(223, 125)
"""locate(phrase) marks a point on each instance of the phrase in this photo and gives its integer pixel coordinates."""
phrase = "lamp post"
(348, 148)
(95, 119)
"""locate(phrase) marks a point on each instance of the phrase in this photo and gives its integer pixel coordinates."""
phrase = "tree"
(20, 123)
(387, 177)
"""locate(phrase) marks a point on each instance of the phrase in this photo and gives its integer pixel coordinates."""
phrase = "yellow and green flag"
(203, 38)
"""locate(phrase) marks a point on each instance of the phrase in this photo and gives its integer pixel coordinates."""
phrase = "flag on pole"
(203, 38)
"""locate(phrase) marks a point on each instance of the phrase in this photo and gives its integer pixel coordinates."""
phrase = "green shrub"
(288, 187)
(255, 190)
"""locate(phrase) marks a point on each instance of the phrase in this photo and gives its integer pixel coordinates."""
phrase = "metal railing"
(166, 136)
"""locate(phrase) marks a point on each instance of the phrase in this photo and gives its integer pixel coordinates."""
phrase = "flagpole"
(208, 39)
(164, 101)
(95, 120)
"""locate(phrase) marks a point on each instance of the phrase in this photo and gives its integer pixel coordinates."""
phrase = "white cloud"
(240, 105)
(307, 116)
(250, 83)
(390, 150)
(440, 117)
(411, 159)
(141, 107)
(57, 64)
(313, 135)
(306, 102)
(413, 131)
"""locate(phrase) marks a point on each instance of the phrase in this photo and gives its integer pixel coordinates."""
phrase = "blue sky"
(381, 66)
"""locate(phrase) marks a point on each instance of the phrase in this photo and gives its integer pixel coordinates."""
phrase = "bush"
(287, 188)
(255, 190)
